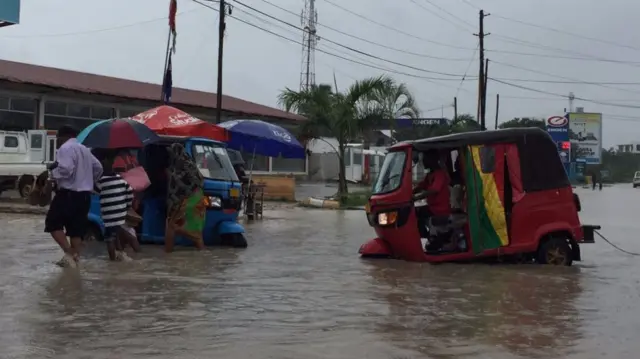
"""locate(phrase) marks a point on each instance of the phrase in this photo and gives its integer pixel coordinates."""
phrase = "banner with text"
(585, 134)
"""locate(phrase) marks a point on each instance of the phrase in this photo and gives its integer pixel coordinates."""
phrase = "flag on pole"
(173, 10)
(167, 84)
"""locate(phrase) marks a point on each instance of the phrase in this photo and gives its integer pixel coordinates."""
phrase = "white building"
(633, 147)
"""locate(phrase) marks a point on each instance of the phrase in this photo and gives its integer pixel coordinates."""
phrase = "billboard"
(585, 134)
(558, 129)
(410, 122)
(9, 12)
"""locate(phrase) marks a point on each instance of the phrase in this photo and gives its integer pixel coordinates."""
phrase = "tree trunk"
(342, 177)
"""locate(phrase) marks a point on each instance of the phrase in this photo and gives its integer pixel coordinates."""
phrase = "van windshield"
(213, 162)
(390, 175)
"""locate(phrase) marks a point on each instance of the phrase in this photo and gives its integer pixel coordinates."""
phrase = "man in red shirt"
(435, 187)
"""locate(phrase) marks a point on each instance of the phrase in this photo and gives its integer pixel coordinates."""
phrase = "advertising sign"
(409, 122)
(585, 134)
(558, 128)
(9, 12)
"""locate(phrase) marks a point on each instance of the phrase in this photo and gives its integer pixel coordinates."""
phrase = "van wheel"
(93, 234)
(635, 186)
(555, 251)
(25, 186)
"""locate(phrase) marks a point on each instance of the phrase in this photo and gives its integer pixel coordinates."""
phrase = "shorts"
(69, 211)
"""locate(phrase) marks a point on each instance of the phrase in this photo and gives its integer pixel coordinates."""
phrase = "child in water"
(116, 198)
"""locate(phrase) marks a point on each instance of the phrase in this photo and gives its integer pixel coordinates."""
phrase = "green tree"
(524, 122)
(342, 115)
(383, 106)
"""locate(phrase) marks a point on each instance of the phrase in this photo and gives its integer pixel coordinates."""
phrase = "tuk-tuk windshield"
(213, 162)
(390, 175)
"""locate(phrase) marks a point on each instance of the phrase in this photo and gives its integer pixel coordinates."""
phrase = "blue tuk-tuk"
(221, 185)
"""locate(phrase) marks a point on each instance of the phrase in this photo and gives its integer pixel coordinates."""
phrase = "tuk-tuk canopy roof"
(512, 135)
(538, 160)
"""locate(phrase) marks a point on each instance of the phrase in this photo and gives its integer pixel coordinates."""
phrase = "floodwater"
(300, 291)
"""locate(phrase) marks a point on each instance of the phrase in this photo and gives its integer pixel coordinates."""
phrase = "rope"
(615, 246)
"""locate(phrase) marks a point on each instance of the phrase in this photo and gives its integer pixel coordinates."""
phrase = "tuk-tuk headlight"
(387, 218)
(213, 201)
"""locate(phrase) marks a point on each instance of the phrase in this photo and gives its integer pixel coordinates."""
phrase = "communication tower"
(308, 20)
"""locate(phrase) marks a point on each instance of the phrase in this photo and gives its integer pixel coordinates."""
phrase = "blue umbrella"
(263, 138)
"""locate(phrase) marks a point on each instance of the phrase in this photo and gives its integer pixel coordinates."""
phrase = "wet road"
(300, 291)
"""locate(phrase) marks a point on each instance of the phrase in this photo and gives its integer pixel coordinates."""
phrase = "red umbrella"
(167, 120)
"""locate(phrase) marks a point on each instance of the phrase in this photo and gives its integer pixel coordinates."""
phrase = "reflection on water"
(299, 291)
(467, 309)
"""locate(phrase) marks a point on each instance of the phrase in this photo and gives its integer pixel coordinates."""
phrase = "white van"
(636, 179)
(24, 155)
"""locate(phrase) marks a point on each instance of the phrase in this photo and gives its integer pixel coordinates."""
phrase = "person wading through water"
(75, 173)
(186, 207)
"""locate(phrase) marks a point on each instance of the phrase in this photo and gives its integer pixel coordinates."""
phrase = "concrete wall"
(323, 166)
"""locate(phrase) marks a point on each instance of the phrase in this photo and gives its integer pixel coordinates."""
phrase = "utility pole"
(221, 29)
(497, 109)
(455, 108)
(484, 94)
(481, 77)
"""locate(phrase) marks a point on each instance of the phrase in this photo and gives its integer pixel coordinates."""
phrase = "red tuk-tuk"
(511, 199)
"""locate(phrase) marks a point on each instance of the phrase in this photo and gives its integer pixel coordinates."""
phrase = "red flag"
(173, 9)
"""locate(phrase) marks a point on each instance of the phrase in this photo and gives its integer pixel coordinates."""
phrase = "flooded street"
(300, 291)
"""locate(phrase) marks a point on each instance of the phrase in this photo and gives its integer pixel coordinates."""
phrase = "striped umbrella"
(117, 133)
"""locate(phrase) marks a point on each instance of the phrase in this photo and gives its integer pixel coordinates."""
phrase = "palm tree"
(342, 115)
(388, 103)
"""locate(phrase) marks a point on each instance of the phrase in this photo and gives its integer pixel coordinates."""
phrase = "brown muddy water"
(300, 291)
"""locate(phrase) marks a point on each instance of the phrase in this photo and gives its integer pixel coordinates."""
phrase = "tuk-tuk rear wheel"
(555, 251)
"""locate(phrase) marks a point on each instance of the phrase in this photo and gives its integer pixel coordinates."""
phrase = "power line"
(564, 96)
(466, 71)
(438, 15)
(551, 48)
(407, 52)
(431, 79)
(470, 4)
(547, 56)
(394, 29)
(559, 31)
(94, 30)
(564, 77)
(348, 47)
(450, 14)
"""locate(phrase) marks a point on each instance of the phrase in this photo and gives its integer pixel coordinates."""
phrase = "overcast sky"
(128, 38)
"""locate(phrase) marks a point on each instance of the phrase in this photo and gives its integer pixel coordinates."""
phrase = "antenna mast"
(308, 20)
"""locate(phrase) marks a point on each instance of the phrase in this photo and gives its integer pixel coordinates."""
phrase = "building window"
(10, 142)
(4, 103)
(101, 113)
(55, 108)
(288, 164)
(81, 111)
(357, 157)
(56, 122)
(23, 105)
(16, 121)
(126, 112)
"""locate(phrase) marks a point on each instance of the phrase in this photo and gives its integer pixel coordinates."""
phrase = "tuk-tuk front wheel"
(555, 251)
